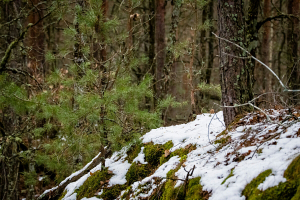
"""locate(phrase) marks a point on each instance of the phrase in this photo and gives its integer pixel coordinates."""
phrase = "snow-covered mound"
(226, 160)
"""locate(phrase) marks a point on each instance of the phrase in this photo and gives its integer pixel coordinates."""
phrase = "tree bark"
(151, 52)
(36, 42)
(265, 76)
(234, 74)
(160, 47)
(292, 45)
(210, 59)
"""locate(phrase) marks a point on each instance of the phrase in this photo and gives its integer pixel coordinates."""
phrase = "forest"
(87, 76)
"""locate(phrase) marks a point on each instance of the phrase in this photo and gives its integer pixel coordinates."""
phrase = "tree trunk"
(78, 54)
(210, 59)
(234, 74)
(292, 48)
(36, 42)
(160, 47)
(151, 52)
(172, 66)
(203, 37)
(265, 76)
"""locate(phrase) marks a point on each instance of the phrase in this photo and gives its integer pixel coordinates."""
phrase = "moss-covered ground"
(154, 152)
(112, 192)
(289, 190)
(133, 152)
(137, 172)
(230, 175)
(182, 153)
(93, 184)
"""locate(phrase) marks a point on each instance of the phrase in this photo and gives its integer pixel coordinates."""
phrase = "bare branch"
(285, 87)
(281, 16)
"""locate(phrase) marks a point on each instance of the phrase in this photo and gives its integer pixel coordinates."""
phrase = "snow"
(119, 166)
(75, 185)
(141, 157)
(92, 198)
(249, 140)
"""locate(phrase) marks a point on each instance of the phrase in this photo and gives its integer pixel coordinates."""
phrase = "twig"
(208, 131)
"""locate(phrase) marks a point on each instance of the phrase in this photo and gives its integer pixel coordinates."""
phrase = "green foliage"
(30, 178)
(137, 172)
(92, 184)
(210, 89)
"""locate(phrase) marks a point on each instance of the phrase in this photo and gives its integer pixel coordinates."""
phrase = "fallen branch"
(56, 192)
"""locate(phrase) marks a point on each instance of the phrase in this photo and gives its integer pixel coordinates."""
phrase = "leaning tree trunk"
(236, 81)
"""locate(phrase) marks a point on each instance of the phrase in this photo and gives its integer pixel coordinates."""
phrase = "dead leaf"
(167, 153)
(109, 172)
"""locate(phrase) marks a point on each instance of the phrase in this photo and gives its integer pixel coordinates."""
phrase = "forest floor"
(249, 158)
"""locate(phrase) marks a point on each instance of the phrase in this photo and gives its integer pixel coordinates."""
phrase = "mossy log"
(57, 192)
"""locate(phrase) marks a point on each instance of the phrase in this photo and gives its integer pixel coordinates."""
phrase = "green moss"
(223, 140)
(168, 145)
(63, 195)
(153, 153)
(137, 172)
(230, 175)
(293, 170)
(251, 188)
(92, 184)
(112, 192)
(194, 190)
(126, 193)
(133, 152)
(182, 153)
(297, 195)
(284, 191)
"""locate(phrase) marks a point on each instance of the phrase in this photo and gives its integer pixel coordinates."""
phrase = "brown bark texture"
(160, 47)
(231, 23)
(265, 50)
(210, 59)
(36, 42)
(292, 45)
